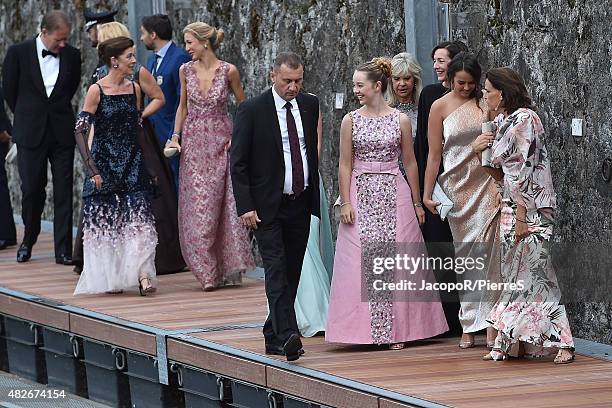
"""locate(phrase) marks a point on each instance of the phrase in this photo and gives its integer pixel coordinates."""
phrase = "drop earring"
(499, 103)
(115, 66)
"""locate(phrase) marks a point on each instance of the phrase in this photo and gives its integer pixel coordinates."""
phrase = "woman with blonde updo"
(110, 30)
(215, 245)
(406, 86)
(378, 211)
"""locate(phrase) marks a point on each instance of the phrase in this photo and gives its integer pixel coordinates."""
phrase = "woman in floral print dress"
(529, 320)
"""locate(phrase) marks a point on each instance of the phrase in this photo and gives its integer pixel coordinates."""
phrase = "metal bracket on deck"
(162, 358)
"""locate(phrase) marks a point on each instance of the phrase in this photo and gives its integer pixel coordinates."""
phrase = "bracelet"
(418, 205)
(178, 135)
(523, 221)
(345, 203)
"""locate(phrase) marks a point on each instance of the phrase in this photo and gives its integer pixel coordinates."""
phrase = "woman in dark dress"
(119, 236)
(168, 257)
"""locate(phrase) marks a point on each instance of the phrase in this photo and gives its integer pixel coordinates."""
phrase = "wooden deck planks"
(435, 370)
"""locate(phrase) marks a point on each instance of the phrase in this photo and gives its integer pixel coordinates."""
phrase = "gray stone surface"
(563, 49)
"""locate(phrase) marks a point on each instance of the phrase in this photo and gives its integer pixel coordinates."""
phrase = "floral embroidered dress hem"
(119, 237)
(215, 245)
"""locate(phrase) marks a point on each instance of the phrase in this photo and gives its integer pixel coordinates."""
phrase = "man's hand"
(5, 137)
(250, 219)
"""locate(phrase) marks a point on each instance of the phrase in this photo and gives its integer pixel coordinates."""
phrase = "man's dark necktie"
(154, 70)
(47, 52)
(297, 167)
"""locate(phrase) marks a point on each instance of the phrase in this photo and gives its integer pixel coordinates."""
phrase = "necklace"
(405, 107)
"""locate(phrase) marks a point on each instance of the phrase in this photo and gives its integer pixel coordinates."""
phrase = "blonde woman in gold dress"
(454, 123)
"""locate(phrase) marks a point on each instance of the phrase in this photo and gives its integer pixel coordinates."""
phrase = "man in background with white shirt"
(40, 76)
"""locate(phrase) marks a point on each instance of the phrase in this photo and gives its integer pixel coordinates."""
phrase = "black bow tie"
(47, 52)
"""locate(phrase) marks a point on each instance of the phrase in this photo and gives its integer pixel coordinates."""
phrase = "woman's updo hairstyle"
(464, 61)
(113, 48)
(202, 32)
(377, 70)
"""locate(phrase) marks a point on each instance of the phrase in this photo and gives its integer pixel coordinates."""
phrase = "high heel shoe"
(465, 344)
(145, 289)
(208, 287)
(491, 333)
(564, 356)
(495, 355)
(397, 346)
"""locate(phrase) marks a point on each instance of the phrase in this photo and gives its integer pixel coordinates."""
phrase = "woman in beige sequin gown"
(454, 122)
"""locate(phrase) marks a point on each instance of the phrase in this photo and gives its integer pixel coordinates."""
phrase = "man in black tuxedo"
(8, 236)
(274, 168)
(40, 77)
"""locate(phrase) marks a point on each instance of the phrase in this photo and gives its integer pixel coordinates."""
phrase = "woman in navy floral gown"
(119, 236)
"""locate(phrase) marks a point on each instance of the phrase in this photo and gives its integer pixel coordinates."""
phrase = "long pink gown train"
(214, 243)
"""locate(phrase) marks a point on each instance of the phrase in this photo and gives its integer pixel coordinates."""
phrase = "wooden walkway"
(207, 325)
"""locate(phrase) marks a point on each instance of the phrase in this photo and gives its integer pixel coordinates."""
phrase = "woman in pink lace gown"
(380, 214)
(215, 246)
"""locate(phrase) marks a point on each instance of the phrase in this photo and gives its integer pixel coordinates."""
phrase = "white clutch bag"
(445, 203)
(12, 153)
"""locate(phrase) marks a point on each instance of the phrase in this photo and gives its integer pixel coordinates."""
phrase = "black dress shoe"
(292, 347)
(24, 253)
(278, 350)
(5, 243)
(63, 260)
(78, 268)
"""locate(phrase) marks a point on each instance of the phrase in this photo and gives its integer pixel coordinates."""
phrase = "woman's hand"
(431, 205)
(347, 214)
(173, 143)
(420, 213)
(97, 180)
(483, 141)
(520, 230)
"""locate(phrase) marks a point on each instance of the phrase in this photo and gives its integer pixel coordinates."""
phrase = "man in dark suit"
(8, 235)
(274, 168)
(40, 77)
(164, 64)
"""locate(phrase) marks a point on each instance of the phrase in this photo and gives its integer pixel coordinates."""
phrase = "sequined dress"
(119, 237)
(474, 218)
(412, 111)
(215, 245)
(385, 221)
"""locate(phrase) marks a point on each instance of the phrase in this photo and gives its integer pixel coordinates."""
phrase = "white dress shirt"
(49, 66)
(161, 54)
(281, 113)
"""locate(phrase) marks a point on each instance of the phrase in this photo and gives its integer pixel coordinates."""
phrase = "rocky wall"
(563, 49)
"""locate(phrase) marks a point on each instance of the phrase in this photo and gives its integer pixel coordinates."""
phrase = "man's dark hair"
(54, 20)
(290, 59)
(158, 24)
